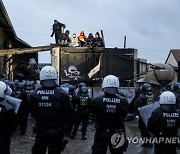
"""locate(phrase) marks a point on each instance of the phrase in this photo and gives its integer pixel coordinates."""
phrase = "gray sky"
(151, 26)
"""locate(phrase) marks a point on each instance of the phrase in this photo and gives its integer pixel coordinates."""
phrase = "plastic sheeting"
(159, 74)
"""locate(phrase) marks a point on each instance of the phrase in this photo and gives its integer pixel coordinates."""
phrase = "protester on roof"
(82, 38)
(65, 40)
(74, 41)
(58, 29)
(90, 40)
(98, 41)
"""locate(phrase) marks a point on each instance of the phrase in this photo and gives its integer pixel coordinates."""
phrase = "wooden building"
(11, 65)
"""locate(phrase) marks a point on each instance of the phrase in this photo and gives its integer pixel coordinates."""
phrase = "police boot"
(83, 138)
(72, 137)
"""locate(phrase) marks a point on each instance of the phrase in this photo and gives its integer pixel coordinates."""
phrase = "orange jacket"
(82, 37)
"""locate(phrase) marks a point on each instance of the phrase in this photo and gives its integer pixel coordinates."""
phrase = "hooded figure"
(90, 40)
(82, 38)
(74, 41)
(65, 40)
(98, 41)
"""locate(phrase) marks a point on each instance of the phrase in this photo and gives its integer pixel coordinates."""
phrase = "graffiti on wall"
(72, 72)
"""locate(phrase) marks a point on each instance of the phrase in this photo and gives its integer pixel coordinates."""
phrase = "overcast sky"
(151, 26)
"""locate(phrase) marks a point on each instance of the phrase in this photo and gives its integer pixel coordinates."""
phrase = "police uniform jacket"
(144, 99)
(164, 123)
(82, 104)
(110, 111)
(8, 119)
(50, 107)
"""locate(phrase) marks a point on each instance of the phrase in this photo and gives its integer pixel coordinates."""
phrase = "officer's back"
(164, 123)
(7, 120)
(110, 110)
(50, 107)
(47, 106)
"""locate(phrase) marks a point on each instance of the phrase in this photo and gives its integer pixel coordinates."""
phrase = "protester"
(74, 41)
(58, 29)
(82, 39)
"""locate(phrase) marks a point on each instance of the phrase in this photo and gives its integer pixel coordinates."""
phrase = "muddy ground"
(22, 144)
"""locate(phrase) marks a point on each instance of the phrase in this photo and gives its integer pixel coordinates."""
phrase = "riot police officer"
(163, 123)
(50, 107)
(145, 97)
(12, 86)
(82, 112)
(23, 112)
(72, 97)
(81, 84)
(7, 120)
(110, 110)
(176, 90)
(19, 90)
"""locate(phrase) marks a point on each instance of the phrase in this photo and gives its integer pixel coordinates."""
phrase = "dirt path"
(22, 144)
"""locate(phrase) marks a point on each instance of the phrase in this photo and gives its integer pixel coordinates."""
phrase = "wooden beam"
(25, 50)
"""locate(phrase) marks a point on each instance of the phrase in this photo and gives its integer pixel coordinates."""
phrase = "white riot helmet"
(3, 89)
(48, 76)
(110, 84)
(167, 98)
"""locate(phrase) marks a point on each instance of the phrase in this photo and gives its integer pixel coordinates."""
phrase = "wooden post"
(103, 37)
(124, 42)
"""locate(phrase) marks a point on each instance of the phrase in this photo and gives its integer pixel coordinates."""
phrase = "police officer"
(145, 97)
(110, 110)
(23, 112)
(73, 98)
(12, 86)
(81, 84)
(19, 90)
(164, 123)
(7, 121)
(71, 91)
(50, 107)
(82, 108)
(176, 90)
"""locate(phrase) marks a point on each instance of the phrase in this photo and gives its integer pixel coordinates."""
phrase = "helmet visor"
(48, 83)
(84, 94)
(168, 107)
(111, 90)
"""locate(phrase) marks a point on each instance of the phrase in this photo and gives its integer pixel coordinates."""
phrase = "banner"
(95, 69)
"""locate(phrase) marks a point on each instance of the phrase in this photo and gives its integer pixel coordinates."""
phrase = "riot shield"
(14, 102)
(146, 111)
